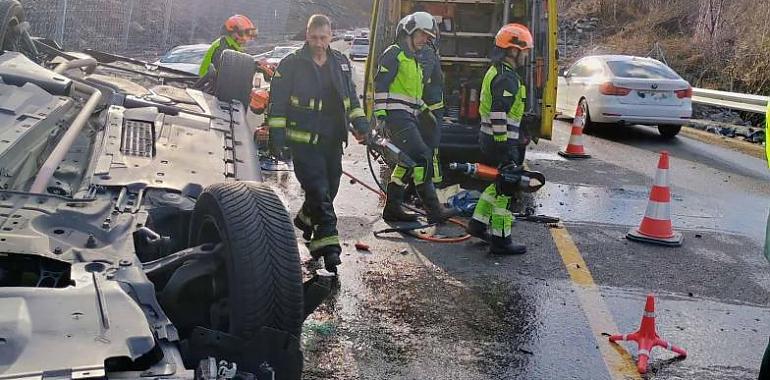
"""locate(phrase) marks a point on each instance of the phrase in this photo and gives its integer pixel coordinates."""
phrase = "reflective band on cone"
(575, 146)
(656, 226)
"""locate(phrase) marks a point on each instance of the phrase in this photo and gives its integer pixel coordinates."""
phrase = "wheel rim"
(219, 311)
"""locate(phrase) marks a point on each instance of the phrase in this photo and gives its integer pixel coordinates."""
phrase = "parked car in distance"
(278, 53)
(185, 58)
(349, 37)
(620, 89)
(359, 49)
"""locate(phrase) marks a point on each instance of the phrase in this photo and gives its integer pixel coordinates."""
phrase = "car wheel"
(262, 269)
(589, 125)
(235, 77)
(669, 131)
(11, 15)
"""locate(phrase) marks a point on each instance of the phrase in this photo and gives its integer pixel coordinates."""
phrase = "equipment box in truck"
(467, 30)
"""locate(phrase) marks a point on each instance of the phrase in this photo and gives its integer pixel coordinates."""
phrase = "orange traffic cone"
(647, 337)
(575, 146)
(656, 226)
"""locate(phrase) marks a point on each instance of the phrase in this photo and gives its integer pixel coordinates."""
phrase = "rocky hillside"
(345, 14)
(720, 44)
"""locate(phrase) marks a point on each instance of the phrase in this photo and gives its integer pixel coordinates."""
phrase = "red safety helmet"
(514, 36)
(241, 28)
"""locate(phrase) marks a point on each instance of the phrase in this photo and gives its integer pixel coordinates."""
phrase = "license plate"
(653, 95)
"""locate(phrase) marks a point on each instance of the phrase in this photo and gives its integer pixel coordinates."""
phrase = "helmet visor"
(248, 33)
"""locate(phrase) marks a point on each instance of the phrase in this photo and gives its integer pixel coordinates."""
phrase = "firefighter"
(433, 96)
(312, 101)
(236, 32)
(503, 99)
(399, 104)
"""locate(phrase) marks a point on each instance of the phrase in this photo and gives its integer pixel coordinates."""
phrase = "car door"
(571, 87)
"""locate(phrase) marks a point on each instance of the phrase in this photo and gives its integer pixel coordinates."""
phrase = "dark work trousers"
(318, 168)
(432, 137)
(405, 134)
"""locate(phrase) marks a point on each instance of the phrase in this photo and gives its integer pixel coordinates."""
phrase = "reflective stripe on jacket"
(398, 84)
(296, 98)
(503, 99)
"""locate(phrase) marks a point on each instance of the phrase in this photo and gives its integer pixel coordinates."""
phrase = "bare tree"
(710, 18)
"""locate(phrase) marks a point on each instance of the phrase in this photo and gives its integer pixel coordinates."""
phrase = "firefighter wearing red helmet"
(236, 32)
(502, 137)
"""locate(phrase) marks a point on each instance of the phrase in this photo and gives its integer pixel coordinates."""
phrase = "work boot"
(307, 231)
(477, 230)
(393, 211)
(505, 246)
(331, 255)
(437, 213)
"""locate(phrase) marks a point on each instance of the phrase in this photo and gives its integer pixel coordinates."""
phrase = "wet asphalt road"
(409, 309)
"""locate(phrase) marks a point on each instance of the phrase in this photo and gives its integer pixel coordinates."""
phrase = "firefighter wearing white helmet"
(398, 87)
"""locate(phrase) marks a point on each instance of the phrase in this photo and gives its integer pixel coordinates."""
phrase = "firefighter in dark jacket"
(399, 103)
(236, 32)
(312, 102)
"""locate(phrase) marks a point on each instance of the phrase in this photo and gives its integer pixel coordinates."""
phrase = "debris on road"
(362, 246)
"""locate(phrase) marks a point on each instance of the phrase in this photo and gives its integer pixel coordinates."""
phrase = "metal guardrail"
(732, 100)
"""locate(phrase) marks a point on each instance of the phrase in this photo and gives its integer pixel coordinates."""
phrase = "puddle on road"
(723, 341)
(400, 318)
(626, 206)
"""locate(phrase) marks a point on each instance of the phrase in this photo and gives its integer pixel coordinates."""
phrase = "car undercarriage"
(136, 240)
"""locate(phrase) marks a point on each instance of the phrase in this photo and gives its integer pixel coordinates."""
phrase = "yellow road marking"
(619, 362)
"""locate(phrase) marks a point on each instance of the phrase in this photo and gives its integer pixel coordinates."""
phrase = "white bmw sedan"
(620, 89)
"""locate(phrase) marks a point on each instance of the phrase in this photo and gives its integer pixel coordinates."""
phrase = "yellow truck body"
(467, 30)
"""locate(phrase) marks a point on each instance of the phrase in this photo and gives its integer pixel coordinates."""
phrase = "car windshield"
(184, 56)
(641, 69)
(361, 41)
(280, 52)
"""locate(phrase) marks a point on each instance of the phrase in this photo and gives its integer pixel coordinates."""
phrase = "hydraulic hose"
(411, 230)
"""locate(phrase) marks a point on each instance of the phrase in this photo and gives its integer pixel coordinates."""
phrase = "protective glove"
(361, 130)
(427, 119)
(509, 178)
(368, 138)
(530, 127)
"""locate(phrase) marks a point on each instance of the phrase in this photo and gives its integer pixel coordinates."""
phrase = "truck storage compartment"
(448, 46)
(473, 47)
(475, 19)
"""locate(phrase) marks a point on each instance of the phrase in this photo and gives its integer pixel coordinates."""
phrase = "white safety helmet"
(418, 21)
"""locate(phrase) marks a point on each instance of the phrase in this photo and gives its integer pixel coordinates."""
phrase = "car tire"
(669, 131)
(260, 255)
(589, 126)
(235, 77)
(11, 14)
